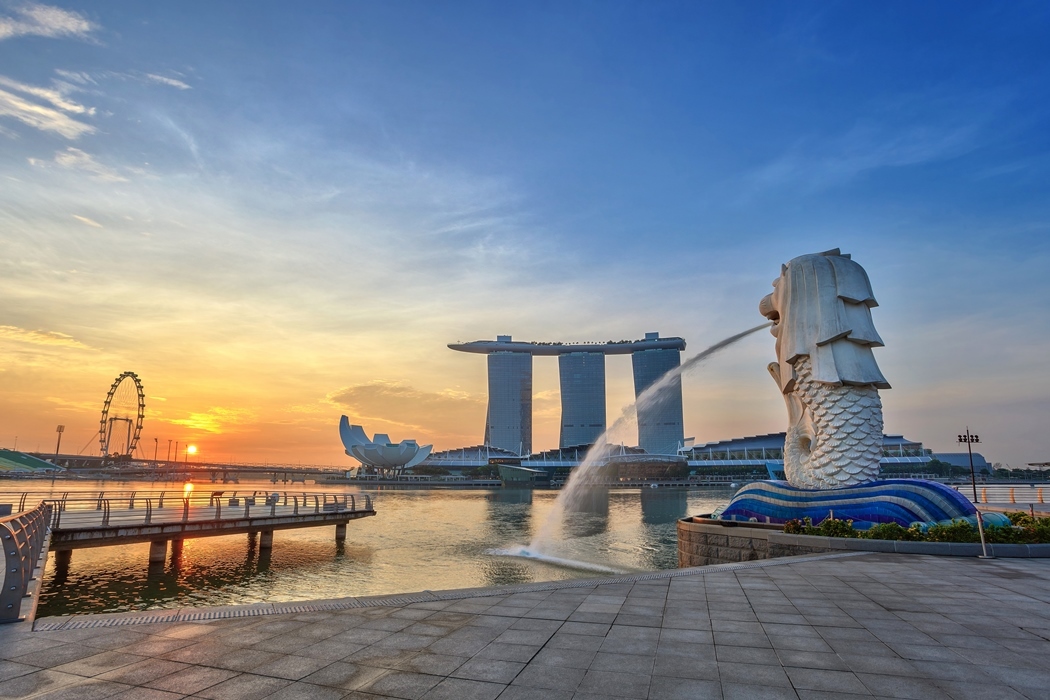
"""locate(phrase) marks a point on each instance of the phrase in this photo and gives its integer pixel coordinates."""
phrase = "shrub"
(1024, 529)
(957, 531)
(833, 527)
(892, 531)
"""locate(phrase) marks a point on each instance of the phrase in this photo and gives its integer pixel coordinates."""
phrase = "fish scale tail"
(847, 427)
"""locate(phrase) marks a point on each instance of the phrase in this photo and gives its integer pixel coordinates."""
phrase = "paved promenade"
(825, 626)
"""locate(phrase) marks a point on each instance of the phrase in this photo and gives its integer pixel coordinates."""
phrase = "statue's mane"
(825, 304)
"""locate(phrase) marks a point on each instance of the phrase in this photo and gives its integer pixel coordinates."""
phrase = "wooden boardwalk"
(118, 519)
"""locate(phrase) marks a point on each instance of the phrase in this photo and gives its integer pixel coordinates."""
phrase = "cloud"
(89, 222)
(41, 337)
(833, 161)
(33, 19)
(46, 109)
(76, 159)
(217, 419)
(167, 81)
(380, 404)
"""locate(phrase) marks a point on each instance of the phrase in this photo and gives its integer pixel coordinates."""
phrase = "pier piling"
(158, 551)
(266, 539)
(340, 532)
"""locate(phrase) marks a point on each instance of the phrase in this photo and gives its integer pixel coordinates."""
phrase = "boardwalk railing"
(145, 508)
(24, 536)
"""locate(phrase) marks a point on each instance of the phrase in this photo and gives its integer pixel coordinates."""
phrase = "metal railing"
(104, 509)
(23, 536)
(1024, 494)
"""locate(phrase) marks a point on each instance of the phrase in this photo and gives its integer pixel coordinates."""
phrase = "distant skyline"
(278, 214)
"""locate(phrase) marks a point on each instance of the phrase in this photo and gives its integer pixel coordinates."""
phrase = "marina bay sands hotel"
(582, 371)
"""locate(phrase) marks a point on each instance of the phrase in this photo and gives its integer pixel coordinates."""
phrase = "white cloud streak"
(34, 19)
(76, 159)
(45, 109)
(172, 82)
(84, 220)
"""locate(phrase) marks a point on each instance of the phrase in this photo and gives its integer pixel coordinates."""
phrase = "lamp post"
(969, 440)
(156, 446)
(167, 457)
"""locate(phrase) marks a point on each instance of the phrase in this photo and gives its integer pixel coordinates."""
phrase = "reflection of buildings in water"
(588, 515)
(661, 509)
(510, 513)
(512, 495)
(661, 506)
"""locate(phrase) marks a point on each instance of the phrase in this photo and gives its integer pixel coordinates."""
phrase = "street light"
(969, 440)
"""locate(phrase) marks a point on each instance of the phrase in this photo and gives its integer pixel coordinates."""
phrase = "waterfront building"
(378, 452)
(581, 366)
(767, 452)
(508, 422)
(660, 423)
(582, 377)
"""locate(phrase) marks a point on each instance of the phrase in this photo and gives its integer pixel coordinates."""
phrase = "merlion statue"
(821, 313)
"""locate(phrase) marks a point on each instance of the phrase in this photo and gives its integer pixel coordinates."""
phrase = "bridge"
(175, 469)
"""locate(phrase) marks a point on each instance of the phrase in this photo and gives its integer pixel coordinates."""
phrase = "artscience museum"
(379, 452)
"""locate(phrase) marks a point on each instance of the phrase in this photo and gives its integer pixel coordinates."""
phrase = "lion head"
(821, 307)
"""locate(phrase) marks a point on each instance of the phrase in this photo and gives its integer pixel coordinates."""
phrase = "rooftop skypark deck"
(503, 343)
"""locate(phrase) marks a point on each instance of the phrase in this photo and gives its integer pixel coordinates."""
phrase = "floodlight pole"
(969, 440)
(60, 429)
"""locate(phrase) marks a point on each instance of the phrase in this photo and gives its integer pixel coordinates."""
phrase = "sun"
(192, 449)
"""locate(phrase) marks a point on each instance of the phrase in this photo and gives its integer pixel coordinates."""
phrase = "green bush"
(892, 531)
(833, 527)
(957, 531)
(1024, 529)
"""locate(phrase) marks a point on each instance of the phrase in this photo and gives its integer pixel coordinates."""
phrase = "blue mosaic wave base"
(901, 501)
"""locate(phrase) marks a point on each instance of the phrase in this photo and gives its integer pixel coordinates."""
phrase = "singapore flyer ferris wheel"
(122, 413)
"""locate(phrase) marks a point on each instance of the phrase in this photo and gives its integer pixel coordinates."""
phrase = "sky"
(279, 216)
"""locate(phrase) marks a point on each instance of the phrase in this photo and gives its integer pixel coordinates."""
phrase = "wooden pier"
(111, 519)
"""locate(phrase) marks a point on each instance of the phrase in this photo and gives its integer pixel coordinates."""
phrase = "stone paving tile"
(245, 686)
(143, 671)
(91, 689)
(11, 669)
(462, 689)
(55, 656)
(517, 692)
(522, 653)
(822, 679)
(344, 675)
(99, 663)
(564, 658)
(615, 684)
(747, 691)
(141, 693)
(536, 676)
(306, 691)
(191, 680)
(978, 691)
(489, 670)
(402, 684)
(884, 686)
